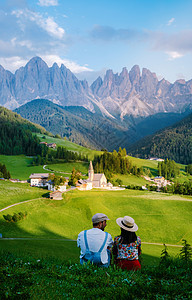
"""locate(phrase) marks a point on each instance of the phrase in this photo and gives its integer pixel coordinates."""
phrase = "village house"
(156, 158)
(43, 143)
(39, 179)
(159, 179)
(52, 187)
(52, 145)
(56, 195)
(83, 184)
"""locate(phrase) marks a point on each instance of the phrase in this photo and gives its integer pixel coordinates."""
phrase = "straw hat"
(127, 223)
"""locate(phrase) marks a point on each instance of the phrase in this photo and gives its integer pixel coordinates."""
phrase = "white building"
(53, 188)
(39, 179)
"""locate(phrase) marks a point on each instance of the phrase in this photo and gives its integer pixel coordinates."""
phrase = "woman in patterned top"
(127, 246)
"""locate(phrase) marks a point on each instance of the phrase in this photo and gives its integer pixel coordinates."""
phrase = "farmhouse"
(159, 179)
(56, 195)
(39, 179)
(52, 145)
(84, 184)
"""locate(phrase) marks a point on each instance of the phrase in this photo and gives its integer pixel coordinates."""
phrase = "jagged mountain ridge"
(116, 96)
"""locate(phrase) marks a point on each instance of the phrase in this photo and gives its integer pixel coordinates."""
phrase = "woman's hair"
(128, 237)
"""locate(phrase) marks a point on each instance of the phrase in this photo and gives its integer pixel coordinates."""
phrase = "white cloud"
(174, 54)
(48, 2)
(47, 24)
(51, 27)
(170, 21)
(15, 62)
(73, 66)
(12, 63)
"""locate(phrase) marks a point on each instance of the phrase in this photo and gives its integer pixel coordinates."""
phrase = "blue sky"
(90, 37)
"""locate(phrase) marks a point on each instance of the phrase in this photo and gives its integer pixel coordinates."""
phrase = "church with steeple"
(98, 180)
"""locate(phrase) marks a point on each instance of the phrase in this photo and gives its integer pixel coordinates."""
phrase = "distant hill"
(16, 134)
(92, 129)
(174, 142)
(76, 123)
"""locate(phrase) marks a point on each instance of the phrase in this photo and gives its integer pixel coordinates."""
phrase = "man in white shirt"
(96, 239)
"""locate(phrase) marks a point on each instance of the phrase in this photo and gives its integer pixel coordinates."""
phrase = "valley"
(53, 220)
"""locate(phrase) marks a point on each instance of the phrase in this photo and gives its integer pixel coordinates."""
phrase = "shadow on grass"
(153, 171)
(47, 245)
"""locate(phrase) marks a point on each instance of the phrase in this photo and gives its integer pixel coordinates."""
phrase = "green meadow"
(20, 166)
(69, 145)
(51, 227)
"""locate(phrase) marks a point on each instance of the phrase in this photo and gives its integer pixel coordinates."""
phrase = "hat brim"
(132, 229)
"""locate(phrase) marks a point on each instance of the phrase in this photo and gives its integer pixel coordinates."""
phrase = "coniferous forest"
(16, 134)
(174, 143)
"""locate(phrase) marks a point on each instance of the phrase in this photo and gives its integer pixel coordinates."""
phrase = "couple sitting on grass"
(97, 245)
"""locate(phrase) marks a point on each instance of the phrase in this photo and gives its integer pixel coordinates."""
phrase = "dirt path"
(68, 240)
(44, 167)
(19, 203)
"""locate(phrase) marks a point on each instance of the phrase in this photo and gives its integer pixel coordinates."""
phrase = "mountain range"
(133, 93)
(115, 111)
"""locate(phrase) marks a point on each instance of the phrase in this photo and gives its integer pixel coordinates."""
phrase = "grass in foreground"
(66, 250)
(28, 278)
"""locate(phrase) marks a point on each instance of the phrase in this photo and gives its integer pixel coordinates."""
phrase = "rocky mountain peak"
(96, 85)
(36, 63)
(124, 72)
(127, 93)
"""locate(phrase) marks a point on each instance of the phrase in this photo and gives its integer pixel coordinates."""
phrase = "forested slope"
(16, 134)
(75, 123)
(174, 142)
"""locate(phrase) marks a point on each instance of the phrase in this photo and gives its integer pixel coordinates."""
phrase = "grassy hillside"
(20, 166)
(159, 216)
(69, 145)
(11, 193)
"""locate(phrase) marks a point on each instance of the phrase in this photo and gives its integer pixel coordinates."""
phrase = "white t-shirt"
(95, 239)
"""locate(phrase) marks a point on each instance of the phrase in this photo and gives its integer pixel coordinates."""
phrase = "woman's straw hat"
(127, 223)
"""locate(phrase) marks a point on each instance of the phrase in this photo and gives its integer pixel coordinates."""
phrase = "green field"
(20, 166)
(68, 167)
(69, 145)
(161, 218)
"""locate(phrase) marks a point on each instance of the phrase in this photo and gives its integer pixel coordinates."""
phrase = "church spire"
(91, 171)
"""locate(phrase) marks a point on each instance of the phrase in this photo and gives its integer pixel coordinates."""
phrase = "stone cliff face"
(117, 95)
(141, 94)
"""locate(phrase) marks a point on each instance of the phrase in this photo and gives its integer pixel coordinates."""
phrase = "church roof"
(97, 177)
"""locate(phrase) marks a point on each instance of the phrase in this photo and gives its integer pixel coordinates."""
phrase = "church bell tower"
(91, 171)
